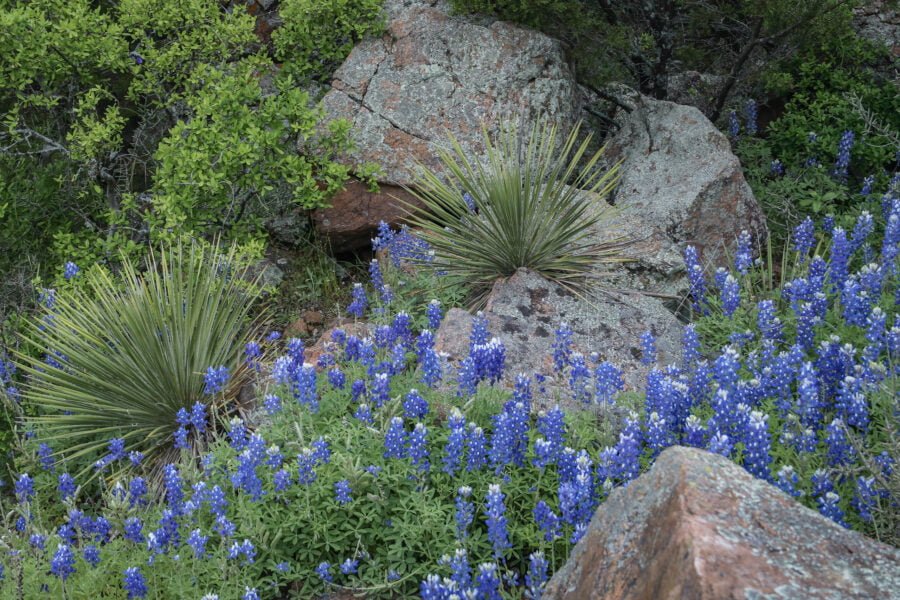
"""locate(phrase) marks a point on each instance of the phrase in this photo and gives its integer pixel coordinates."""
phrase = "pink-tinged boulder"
(699, 527)
(351, 220)
(680, 184)
(432, 74)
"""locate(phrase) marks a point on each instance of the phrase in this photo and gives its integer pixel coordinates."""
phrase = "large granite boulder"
(699, 527)
(433, 73)
(680, 184)
(525, 310)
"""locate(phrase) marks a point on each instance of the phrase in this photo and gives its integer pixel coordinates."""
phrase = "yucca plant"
(523, 207)
(130, 350)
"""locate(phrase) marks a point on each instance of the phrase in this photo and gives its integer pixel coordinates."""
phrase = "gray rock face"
(525, 310)
(432, 73)
(680, 185)
(879, 22)
(699, 527)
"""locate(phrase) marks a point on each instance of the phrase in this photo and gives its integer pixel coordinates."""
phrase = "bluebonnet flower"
(414, 405)
(479, 333)
(496, 521)
(467, 377)
(395, 439)
(250, 594)
(137, 489)
(272, 404)
(63, 562)
(694, 432)
(324, 572)
(198, 417)
(173, 484)
(306, 463)
(197, 542)
(488, 361)
(381, 390)
(787, 481)
(828, 506)
(181, 435)
(282, 480)
(776, 168)
(342, 492)
(215, 379)
(719, 443)
(768, 324)
(578, 377)
(336, 378)
(459, 570)
(45, 454)
(37, 540)
(431, 367)
(855, 302)
(133, 583)
(842, 163)
(364, 413)
(562, 347)
(376, 277)
(695, 278)
(304, 387)
(731, 295)
(552, 426)
(133, 528)
(743, 259)
(418, 447)
(24, 488)
(839, 449)
(296, 350)
(359, 304)
(804, 238)
(476, 448)
(434, 314)
(750, 115)
(453, 450)
(252, 353)
(864, 226)
(465, 512)
(66, 486)
(321, 451)
(283, 370)
(488, 582)
(734, 125)
(536, 577)
(547, 521)
(350, 566)
(244, 549)
(840, 256)
(70, 270)
(865, 498)
(608, 381)
(470, 202)
(658, 434)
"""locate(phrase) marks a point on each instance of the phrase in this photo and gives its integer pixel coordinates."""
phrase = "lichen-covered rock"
(432, 74)
(525, 310)
(699, 527)
(680, 184)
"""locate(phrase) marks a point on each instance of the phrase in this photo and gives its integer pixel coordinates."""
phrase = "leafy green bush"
(317, 36)
(524, 208)
(121, 355)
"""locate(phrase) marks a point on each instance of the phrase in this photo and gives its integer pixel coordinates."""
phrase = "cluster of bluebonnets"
(377, 433)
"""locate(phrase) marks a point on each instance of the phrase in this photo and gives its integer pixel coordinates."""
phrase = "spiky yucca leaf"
(134, 350)
(531, 210)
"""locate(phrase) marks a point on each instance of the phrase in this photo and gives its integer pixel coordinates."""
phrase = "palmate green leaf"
(134, 349)
(531, 210)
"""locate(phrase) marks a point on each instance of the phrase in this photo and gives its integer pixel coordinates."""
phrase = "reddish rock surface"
(680, 184)
(353, 217)
(699, 527)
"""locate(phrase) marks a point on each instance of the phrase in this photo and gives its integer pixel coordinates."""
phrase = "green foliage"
(133, 349)
(243, 138)
(317, 36)
(530, 212)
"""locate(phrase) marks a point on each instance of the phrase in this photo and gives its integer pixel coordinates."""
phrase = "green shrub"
(316, 36)
(121, 355)
(527, 211)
